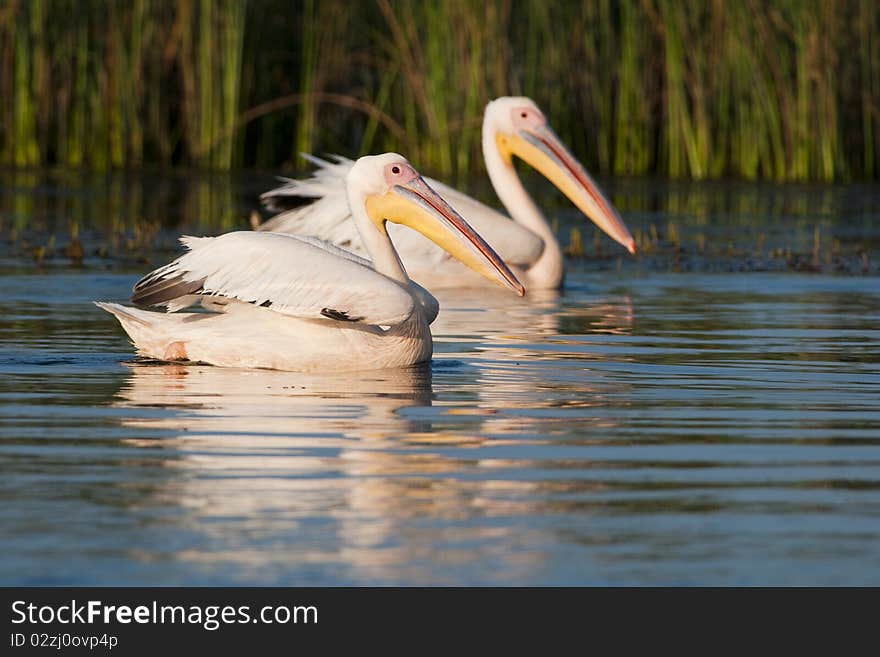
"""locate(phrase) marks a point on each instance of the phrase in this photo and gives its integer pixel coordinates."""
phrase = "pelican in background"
(296, 303)
(511, 126)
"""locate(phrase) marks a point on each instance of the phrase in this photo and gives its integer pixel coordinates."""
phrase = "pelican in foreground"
(297, 303)
(511, 126)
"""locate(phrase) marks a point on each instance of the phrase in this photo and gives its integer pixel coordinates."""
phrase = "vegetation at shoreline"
(131, 220)
(782, 90)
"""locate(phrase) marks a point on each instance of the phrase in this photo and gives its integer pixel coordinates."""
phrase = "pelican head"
(392, 190)
(521, 129)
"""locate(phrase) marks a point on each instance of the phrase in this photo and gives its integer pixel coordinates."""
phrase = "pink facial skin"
(527, 118)
(399, 173)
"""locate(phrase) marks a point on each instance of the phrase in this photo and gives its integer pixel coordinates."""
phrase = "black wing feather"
(153, 290)
(339, 315)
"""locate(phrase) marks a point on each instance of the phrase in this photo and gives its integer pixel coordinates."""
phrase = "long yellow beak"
(413, 203)
(542, 149)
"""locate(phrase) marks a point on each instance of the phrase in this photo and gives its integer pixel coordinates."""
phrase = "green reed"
(782, 90)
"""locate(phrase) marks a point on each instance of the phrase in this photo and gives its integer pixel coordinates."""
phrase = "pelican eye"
(395, 170)
(523, 115)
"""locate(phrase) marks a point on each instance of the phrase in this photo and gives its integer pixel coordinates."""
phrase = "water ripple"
(677, 429)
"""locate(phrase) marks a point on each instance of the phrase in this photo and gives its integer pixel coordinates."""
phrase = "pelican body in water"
(297, 303)
(511, 126)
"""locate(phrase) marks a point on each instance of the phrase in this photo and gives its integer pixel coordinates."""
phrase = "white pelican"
(511, 126)
(296, 303)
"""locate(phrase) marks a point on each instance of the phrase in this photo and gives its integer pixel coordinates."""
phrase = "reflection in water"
(515, 339)
(263, 453)
(680, 226)
(663, 429)
(489, 322)
(117, 217)
(266, 403)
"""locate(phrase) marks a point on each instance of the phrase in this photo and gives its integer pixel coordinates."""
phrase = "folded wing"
(292, 275)
(318, 206)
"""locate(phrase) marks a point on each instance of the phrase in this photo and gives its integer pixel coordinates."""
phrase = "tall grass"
(782, 90)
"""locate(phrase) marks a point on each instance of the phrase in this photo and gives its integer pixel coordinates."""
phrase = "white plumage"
(298, 303)
(329, 218)
(524, 240)
(256, 268)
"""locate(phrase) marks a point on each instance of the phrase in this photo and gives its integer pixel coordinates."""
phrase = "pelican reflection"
(278, 472)
(271, 403)
(279, 469)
